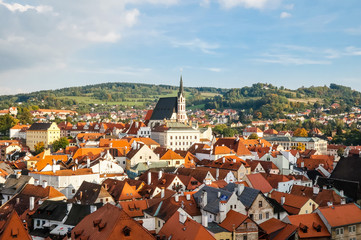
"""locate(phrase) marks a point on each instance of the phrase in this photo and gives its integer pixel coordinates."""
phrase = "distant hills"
(263, 100)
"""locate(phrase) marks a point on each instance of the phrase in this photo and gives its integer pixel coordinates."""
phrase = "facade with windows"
(42, 132)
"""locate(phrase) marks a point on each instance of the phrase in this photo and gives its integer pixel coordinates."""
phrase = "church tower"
(181, 113)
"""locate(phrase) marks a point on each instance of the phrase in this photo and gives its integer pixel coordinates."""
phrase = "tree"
(39, 147)
(7, 122)
(60, 143)
(24, 116)
(253, 136)
(340, 151)
(300, 132)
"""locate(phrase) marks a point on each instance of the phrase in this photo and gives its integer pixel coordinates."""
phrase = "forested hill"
(263, 100)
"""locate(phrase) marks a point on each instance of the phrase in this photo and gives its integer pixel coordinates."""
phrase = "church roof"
(165, 108)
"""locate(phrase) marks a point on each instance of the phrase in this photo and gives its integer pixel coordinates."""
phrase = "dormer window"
(126, 231)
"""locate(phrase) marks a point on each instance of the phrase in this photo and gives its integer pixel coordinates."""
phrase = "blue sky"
(219, 43)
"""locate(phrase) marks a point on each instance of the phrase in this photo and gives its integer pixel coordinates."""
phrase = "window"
(235, 206)
(245, 237)
(260, 216)
(267, 215)
(260, 204)
(73, 191)
(140, 157)
(352, 228)
(339, 231)
(251, 216)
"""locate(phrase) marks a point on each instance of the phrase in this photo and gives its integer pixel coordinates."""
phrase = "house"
(294, 204)
(18, 131)
(241, 226)
(121, 190)
(140, 153)
(237, 145)
(173, 159)
(258, 181)
(342, 221)
(42, 132)
(276, 229)
(215, 203)
(13, 185)
(13, 228)
(161, 212)
(179, 226)
(321, 196)
(248, 131)
(109, 222)
(91, 193)
(208, 175)
(175, 135)
(310, 226)
(258, 208)
(67, 181)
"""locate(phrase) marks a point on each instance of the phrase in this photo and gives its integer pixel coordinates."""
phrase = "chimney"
(240, 188)
(31, 203)
(18, 174)
(160, 173)
(330, 204)
(234, 160)
(45, 184)
(217, 173)
(93, 208)
(17, 200)
(176, 198)
(76, 161)
(188, 197)
(223, 159)
(283, 199)
(316, 190)
(203, 199)
(68, 207)
(219, 194)
(343, 201)
(88, 162)
(205, 220)
(149, 178)
(182, 217)
(162, 193)
(36, 182)
(53, 168)
(342, 194)
(222, 211)
(54, 162)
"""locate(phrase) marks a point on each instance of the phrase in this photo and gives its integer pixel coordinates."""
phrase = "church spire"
(181, 86)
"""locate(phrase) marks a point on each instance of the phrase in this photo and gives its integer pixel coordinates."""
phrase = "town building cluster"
(168, 177)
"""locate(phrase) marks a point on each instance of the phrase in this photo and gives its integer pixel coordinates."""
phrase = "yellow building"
(42, 132)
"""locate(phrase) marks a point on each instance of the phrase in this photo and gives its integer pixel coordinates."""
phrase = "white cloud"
(289, 6)
(131, 17)
(354, 31)
(205, 3)
(354, 51)
(16, 7)
(286, 59)
(213, 69)
(285, 15)
(256, 4)
(197, 44)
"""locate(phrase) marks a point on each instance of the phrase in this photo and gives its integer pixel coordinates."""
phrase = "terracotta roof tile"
(341, 215)
(314, 224)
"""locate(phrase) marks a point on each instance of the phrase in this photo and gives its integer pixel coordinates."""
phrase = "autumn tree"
(300, 132)
(7, 122)
(253, 136)
(61, 143)
(39, 147)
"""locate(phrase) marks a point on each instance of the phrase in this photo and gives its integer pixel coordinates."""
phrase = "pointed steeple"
(181, 86)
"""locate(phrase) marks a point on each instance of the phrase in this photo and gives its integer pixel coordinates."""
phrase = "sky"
(53, 44)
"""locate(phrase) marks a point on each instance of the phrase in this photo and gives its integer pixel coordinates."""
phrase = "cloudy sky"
(52, 44)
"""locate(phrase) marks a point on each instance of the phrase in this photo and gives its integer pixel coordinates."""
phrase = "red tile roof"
(13, 228)
(188, 230)
(259, 182)
(278, 229)
(108, 223)
(315, 226)
(341, 215)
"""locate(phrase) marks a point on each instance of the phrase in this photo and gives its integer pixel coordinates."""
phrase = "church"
(170, 109)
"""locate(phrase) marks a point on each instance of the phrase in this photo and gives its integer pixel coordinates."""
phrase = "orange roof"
(48, 160)
(277, 229)
(12, 228)
(114, 143)
(38, 191)
(233, 220)
(82, 152)
(340, 215)
(170, 155)
(222, 150)
(68, 172)
(148, 115)
(89, 136)
(188, 230)
(259, 182)
(315, 226)
(110, 222)
(134, 208)
(292, 204)
(19, 126)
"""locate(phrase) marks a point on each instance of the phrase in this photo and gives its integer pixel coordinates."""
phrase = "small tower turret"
(181, 113)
